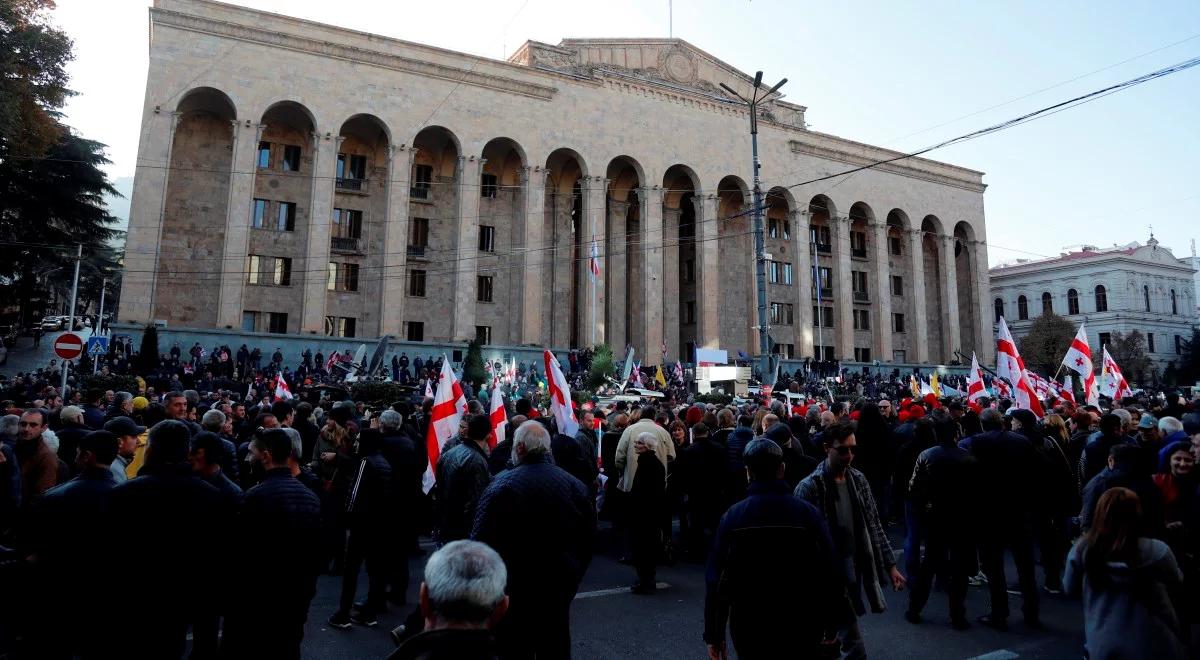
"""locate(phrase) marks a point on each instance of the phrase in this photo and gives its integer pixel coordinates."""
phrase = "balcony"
(345, 244)
(860, 296)
(419, 192)
(824, 248)
(416, 251)
(826, 294)
(858, 253)
(354, 185)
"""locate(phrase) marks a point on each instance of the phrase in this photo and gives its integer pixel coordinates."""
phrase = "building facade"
(1119, 289)
(296, 177)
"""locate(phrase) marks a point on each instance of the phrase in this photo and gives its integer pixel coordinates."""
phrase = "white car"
(52, 323)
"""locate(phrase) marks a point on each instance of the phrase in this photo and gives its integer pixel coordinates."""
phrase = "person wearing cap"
(757, 598)
(1148, 436)
(128, 434)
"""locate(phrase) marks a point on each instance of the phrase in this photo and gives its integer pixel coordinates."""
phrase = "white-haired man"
(541, 521)
(462, 597)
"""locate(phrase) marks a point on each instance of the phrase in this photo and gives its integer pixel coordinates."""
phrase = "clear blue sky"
(875, 72)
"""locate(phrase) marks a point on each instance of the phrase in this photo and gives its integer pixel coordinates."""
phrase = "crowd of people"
(230, 505)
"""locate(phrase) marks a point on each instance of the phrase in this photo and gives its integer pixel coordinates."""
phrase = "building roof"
(1150, 252)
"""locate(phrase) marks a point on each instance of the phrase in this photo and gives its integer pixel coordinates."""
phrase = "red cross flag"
(281, 388)
(1079, 360)
(449, 405)
(1112, 381)
(975, 388)
(560, 397)
(1010, 366)
(1067, 391)
(498, 415)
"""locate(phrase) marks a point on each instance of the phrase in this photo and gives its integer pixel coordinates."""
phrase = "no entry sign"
(68, 346)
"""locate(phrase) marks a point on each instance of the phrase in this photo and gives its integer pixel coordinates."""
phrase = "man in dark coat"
(173, 522)
(461, 476)
(703, 465)
(735, 445)
(407, 469)
(795, 605)
(1095, 452)
(796, 464)
(647, 505)
(279, 523)
(369, 518)
(541, 521)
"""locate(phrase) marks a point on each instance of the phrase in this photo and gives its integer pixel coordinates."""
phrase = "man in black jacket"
(759, 597)
(462, 475)
(407, 469)
(703, 465)
(173, 522)
(279, 524)
(541, 521)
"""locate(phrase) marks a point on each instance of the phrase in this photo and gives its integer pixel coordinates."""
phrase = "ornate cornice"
(377, 58)
(861, 159)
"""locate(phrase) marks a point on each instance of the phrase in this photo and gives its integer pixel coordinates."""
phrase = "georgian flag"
(428, 388)
(679, 371)
(637, 375)
(594, 260)
(1112, 381)
(975, 388)
(498, 415)
(1079, 360)
(281, 388)
(1011, 367)
(1067, 391)
(449, 405)
(560, 397)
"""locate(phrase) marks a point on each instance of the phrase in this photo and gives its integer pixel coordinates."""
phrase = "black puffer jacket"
(462, 475)
(281, 519)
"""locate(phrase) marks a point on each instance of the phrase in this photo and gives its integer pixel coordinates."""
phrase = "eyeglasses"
(845, 449)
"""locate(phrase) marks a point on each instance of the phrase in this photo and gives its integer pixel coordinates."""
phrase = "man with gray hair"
(461, 598)
(214, 421)
(541, 521)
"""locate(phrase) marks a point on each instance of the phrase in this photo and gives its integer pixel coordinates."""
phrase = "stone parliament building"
(295, 177)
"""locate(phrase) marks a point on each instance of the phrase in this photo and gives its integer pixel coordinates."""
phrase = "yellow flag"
(658, 376)
(933, 384)
(914, 386)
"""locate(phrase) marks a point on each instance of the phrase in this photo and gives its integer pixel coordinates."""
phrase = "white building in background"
(1193, 262)
(1117, 289)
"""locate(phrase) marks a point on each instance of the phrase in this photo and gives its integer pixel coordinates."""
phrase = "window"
(862, 319)
(819, 234)
(782, 314)
(823, 353)
(418, 235)
(1072, 301)
(351, 166)
(689, 270)
(823, 282)
(1150, 342)
(264, 155)
(269, 270)
(248, 321)
(858, 283)
(483, 334)
(277, 322)
(1022, 308)
(1178, 345)
(487, 238)
(1104, 338)
(1047, 304)
(1146, 296)
(999, 305)
(1101, 299)
(787, 273)
(897, 323)
(282, 272)
(483, 288)
(347, 223)
(894, 245)
(897, 285)
(342, 277)
(414, 331)
(862, 354)
(254, 269)
(858, 244)
(416, 283)
(340, 326)
(1174, 303)
(489, 184)
(822, 316)
(291, 158)
(688, 313)
(285, 219)
(779, 228)
(422, 181)
(773, 272)
(787, 351)
(260, 213)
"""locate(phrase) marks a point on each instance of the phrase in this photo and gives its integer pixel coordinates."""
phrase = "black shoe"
(992, 622)
(340, 621)
(643, 589)
(913, 617)
(960, 624)
(364, 618)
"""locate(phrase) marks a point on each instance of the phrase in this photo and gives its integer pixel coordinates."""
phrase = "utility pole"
(71, 318)
(99, 322)
(759, 258)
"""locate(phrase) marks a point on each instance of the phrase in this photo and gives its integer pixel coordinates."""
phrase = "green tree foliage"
(148, 352)
(33, 78)
(1188, 364)
(1047, 341)
(473, 371)
(601, 368)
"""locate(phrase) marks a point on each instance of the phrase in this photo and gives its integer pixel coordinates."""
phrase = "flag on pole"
(935, 385)
(449, 405)
(925, 388)
(679, 371)
(1079, 360)
(281, 388)
(428, 389)
(498, 415)
(664, 350)
(1011, 367)
(659, 377)
(1067, 391)
(1112, 381)
(913, 386)
(560, 397)
(594, 260)
(637, 375)
(975, 388)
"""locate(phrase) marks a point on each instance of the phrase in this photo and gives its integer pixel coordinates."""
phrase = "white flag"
(560, 397)
(449, 405)
(1010, 366)
(1079, 360)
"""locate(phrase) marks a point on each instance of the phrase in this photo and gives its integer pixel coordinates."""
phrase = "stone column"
(651, 253)
(533, 280)
(395, 240)
(802, 277)
(985, 343)
(708, 280)
(320, 214)
(142, 244)
(917, 325)
(883, 295)
(246, 136)
(592, 306)
(617, 276)
(670, 281)
(843, 298)
(951, 336)
(466, 266)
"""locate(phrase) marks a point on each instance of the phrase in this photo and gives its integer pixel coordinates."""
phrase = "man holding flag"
(1079, 360)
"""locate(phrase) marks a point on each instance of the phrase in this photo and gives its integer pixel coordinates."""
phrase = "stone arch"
(935, 305)
(968, 288)
(821, 212)
(864, 263)
(499, 230)
(565, 278)
(439, 148)
(434, 226)
(900, 264)
(207, 100)
(780, 241)
(681, 203)
(737, 280)
(623, 289)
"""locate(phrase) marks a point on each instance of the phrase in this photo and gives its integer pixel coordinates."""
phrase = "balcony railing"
(826, 294)
(824, 248)
(858, 253)
(419, 192)
(344, 244)
(860, 296)
(350, 184)
(416, 250)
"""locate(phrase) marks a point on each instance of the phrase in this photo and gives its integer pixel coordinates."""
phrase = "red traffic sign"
(68, 346)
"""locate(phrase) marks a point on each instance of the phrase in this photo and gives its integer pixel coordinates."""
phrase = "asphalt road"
(607, 621)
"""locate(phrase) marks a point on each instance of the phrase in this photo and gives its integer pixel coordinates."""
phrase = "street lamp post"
(71, 318)
(759, 258)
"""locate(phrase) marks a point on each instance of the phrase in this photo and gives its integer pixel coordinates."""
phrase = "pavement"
(25, 357)
(607, 621)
